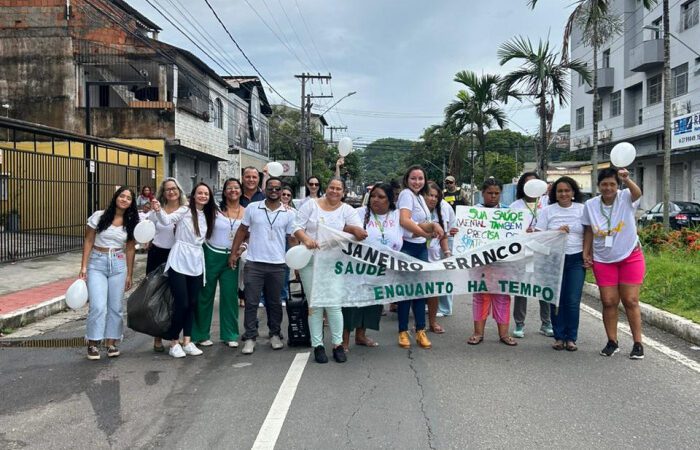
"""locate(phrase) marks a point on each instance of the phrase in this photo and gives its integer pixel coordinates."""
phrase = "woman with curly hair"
(108, 266)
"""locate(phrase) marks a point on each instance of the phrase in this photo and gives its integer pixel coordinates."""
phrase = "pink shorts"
(498, 304)
(628, 271)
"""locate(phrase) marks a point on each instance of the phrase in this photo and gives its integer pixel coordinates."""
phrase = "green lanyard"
(379, 224)
(608, 218)
(533, 211)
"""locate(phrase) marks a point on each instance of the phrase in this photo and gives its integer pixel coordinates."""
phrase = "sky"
(400, 56)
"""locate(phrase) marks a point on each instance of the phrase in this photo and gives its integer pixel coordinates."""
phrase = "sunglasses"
(449, 182)
(275, 189)
(313, 184)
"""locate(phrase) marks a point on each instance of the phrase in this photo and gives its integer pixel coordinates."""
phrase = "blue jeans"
(106, 276)
(565, 318)
(419, 251)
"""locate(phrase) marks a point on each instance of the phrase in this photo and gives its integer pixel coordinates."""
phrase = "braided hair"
(388, 191)
(438, 208)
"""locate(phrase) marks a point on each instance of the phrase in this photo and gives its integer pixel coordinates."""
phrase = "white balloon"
(345, 146)
(623, 154)
(144, 231)
(77, 294)
(298, 257)
(535, 188)
(275, 169)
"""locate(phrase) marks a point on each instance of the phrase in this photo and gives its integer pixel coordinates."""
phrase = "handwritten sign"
(481, 226)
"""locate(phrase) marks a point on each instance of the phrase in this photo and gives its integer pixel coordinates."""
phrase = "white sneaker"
(176, 351)
(276, 342)
(439, 314)
(248, 347)
(207, 343)
(232, 344)
(192, 349)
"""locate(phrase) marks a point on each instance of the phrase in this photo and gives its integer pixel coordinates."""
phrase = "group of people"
(204, 244)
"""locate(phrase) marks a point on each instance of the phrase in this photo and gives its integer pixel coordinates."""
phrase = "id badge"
(271, 235)
(384, 241)
(231, 236)
(608, 241)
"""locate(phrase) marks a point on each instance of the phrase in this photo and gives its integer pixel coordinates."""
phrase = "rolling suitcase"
(298, 333)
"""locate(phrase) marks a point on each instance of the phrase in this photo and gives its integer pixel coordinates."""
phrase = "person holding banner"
(440, 212)
(497, 304)
(564, 214)
(381, 220)
(534, 205)
(333, 213)
(418, 228)
(611, 246)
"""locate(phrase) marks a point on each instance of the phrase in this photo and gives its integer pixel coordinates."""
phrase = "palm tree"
(597, 24)
(542, 77)
(476, 110)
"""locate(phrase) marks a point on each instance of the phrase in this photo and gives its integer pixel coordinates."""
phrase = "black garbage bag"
(149, 308)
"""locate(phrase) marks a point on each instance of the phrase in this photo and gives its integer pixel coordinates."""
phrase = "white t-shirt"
(112, 237)
(310, 215)
(621, 226)
(554, 216)
(165, 234)
(448, 217)
(419, 212)
(535, 208)
(224, 231)
(268, 232)
(383, 229)
(186, 255)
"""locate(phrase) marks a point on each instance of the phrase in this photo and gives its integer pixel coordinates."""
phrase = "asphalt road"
(453, 396)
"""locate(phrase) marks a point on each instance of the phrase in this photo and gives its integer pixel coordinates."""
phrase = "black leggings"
(185, 290)
(156, 257)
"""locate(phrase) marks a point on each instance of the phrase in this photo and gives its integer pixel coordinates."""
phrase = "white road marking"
(649, 342)
(271, 427)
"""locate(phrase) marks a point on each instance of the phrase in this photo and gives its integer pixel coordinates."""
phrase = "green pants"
(217, 269)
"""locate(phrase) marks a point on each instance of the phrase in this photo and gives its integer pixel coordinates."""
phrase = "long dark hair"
(425, 177)
(320, 188)
(389, 191)
(578, 196)
(209, 210)
(520, 189)
(131, 214)
(222, 205)
(438, 207)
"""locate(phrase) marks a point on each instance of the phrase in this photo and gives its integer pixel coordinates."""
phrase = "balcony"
(606, 80)
(647, 56)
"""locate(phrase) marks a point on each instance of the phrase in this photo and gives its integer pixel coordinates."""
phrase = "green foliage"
(385, 159)
(657, 239)
(671, 282)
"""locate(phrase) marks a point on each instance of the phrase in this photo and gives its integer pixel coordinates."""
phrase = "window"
(615, 104)
(598, 110)
(679, 80)
(658, 24)
(606, 59)
(640, 116)
(654, 90)
(218, 104)
(690, 14)
(103, 96)
(580, 121)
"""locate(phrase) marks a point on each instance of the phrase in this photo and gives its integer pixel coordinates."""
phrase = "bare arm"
(90, 234)
(130, 257)
(407, 223)
(305, 239)
(635, 191)
(241, 235)
(359, 232)
(587, 246)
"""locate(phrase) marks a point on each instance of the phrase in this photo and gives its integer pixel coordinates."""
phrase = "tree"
(384, 159)
(476, 109)
(542, 77)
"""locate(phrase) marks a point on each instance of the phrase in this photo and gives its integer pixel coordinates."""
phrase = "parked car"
(681, 215)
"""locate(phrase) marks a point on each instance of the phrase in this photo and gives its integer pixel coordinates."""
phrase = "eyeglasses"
(274, 188)
(313, 184)
(174, 189)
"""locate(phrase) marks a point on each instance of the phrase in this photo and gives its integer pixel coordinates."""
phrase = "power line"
(308, 31)
(303, 47)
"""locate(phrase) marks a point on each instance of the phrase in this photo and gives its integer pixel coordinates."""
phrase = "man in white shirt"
(269, 225)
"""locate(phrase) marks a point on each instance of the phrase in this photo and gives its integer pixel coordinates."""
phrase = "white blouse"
(186, 255)
(383, 229)
(112, 237)
(224, 231)
(310, 215)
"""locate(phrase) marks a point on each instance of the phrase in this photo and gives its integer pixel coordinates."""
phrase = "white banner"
(351, 273)
(479, 226)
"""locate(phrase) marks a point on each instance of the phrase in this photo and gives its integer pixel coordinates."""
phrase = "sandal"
(475, 339)
(437, 329)
(509, 341)
(367, 343)
(571, 346)
(558, 345)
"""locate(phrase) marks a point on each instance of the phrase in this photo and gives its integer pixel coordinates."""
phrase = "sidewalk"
(34, 289)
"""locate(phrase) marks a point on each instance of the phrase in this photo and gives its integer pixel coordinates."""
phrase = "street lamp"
(339, 100)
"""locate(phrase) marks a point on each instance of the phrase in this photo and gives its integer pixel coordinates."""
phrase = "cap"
(450, 178)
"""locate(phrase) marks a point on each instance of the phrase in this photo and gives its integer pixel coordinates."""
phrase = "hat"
(450, 178)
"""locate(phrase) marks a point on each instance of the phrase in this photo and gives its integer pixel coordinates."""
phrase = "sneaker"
(439, 314)
(207, 343)
(422, 339)
(176, 351)
(404, 342)
(261, 305)
(637, 351)
(113, 351)
(248, 347)
(519, 331)
(192, 349)
(339, 354)
(610, 349)
(232, 344)
(320, 354)
(93, 353)
(276, 343)
(547, 330)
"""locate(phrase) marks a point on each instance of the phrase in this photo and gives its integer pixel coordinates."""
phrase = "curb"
(663, 320)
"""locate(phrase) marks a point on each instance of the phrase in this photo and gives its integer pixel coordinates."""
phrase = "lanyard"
(379, 224)
(425, 209)
(533, 211)
(608, 217)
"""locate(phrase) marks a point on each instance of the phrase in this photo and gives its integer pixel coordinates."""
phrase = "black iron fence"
(52, 180)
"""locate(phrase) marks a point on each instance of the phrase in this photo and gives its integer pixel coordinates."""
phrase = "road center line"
(658, 346)
(271, 427)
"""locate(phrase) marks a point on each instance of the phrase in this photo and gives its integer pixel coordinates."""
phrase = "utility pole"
(336, 129)
(305, 108)
(667, 115)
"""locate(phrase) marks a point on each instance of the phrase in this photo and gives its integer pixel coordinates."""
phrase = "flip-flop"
(437, 329)
(571, 346)
(559, 345)
(509, 341)
(368, 343)
(475, 340)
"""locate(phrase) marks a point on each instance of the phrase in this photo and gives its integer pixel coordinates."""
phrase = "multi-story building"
(97, 66)
(630, 68)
